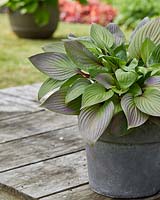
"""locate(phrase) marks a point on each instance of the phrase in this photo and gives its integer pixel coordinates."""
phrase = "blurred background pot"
(126, 166)
(25, 26)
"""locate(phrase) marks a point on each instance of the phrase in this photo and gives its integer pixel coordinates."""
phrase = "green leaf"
(68, 83)
(94, 120)
(119, 91)
(135, 90)
(77, 89)
(118, 35)
(55, 65)
(41, 16)
(105, 79)
(56, 47)
(134, 116)
(87, 42)
(101, 36)
(140, 25)
(151, 31)
(94, 94)
(80, 55)
(95, 71)
(153, 81)
(125, 79)
(120, 52)
(146, 49)
(56, 103)
(149, 101)
(114, 62)
(155, 56)
(49, 85)
(131, 67)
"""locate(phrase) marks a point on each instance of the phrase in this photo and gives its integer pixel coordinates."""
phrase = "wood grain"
(79, 193)
(11, 106)
(48, 177)
(33, 123)
(85, 193)
(27, 92)
(40, 147)
(9, 193)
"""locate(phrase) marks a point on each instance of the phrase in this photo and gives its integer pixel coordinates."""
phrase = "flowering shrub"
(94, 11)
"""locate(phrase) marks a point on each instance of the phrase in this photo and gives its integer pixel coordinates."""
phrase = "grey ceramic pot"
(24, 26)
(126, 166)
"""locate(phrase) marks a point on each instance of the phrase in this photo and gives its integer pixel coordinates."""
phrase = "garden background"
(15, 68)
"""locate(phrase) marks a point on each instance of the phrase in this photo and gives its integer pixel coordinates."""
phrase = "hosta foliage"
(100, 76)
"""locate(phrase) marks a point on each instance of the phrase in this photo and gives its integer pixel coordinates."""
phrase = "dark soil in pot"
(126, 166)
(24, 26)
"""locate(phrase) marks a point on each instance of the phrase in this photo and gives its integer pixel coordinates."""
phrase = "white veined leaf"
(80, 55)
(94, 120)
(134, 116)
(150, 30)
(155, 56)
(146, 49)
(153, 81)
(118, 35)
(149, 101)
(94, 94)
(49, 85)
(55, 65)
(105, 79)
(140, 25)
(125, 79)
(56, 47)
(56, 103)
(77, 89)
(101, 36)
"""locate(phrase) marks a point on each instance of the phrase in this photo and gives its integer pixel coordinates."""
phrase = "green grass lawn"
(15, 69)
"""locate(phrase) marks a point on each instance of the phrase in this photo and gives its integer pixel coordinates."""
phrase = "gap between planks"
(49, 177)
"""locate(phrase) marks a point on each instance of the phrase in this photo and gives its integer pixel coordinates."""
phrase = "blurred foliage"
(132, 11)
(39, 8)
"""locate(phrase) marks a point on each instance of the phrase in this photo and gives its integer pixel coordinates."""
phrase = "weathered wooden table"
(41, 153)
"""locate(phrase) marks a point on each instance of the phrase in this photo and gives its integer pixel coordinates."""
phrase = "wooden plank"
(79, 193)
(9, 193)
(40, 147)
(44, 178)
(32, 124)
(28, 92)
(85, 193)
(11, 106)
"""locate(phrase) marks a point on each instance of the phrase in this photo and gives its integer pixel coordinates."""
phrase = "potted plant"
(33, 18)
(114, 88)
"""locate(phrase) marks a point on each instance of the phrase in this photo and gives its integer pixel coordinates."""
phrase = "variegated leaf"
(56, 47)
(77, 89)
(105, 79)
(101, 36)
(140, 25)
(150, 30)
(134, 116)
(49, 85)
(149, 101)
(55, 65)
(94, 120)
(56, 103)
(94, 94)
(125, 79)
(80, 55)
(118, 35)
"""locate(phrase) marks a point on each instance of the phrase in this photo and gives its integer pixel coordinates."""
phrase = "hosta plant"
(99, 76)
